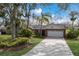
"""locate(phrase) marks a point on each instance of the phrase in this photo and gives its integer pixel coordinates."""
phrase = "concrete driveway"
(51, 47)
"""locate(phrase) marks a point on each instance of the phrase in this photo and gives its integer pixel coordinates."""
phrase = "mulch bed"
(16, 48)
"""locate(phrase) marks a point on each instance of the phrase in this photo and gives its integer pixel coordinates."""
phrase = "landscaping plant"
(26, 32)
(73, 34)
(12, 43)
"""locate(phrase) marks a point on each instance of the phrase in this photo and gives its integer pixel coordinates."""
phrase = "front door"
(43, 32)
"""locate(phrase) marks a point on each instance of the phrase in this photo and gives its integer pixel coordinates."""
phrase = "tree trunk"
(73, 25)
(28, 14)
(13, 30)
(13, 24)
(17, 29)
(28, 22)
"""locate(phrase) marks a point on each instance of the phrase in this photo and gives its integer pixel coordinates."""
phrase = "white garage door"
(55, 33)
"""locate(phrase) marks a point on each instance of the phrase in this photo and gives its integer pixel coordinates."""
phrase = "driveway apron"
(51, 47)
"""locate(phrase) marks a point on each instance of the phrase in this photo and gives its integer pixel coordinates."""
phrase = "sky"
(56, 13)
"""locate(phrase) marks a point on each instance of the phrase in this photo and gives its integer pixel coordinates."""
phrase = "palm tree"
(44, 18)
(73, 15)
(27, 7)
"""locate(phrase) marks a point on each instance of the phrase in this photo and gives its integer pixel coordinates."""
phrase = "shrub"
(72, 34)
(11, 43)
(21, 41)
(26, 32)
(77, 31)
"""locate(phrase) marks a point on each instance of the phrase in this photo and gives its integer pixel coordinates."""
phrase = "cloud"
(37, 11)
(53, 15)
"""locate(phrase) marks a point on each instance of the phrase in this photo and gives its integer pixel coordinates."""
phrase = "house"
(50, 30)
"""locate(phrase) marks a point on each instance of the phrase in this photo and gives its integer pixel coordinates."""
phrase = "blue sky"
(54, 9)
(56, 12)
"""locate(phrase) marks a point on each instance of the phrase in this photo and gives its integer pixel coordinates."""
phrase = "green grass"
(34, 40)
(74, 46)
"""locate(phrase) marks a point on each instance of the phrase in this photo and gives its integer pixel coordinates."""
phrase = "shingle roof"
(55, 26)
(37, 26)
(49, 26)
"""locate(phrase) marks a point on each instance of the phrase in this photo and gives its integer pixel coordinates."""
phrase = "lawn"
(74, 46)
(34, 40)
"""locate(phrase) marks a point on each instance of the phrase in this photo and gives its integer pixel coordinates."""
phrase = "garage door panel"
(55, 33)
